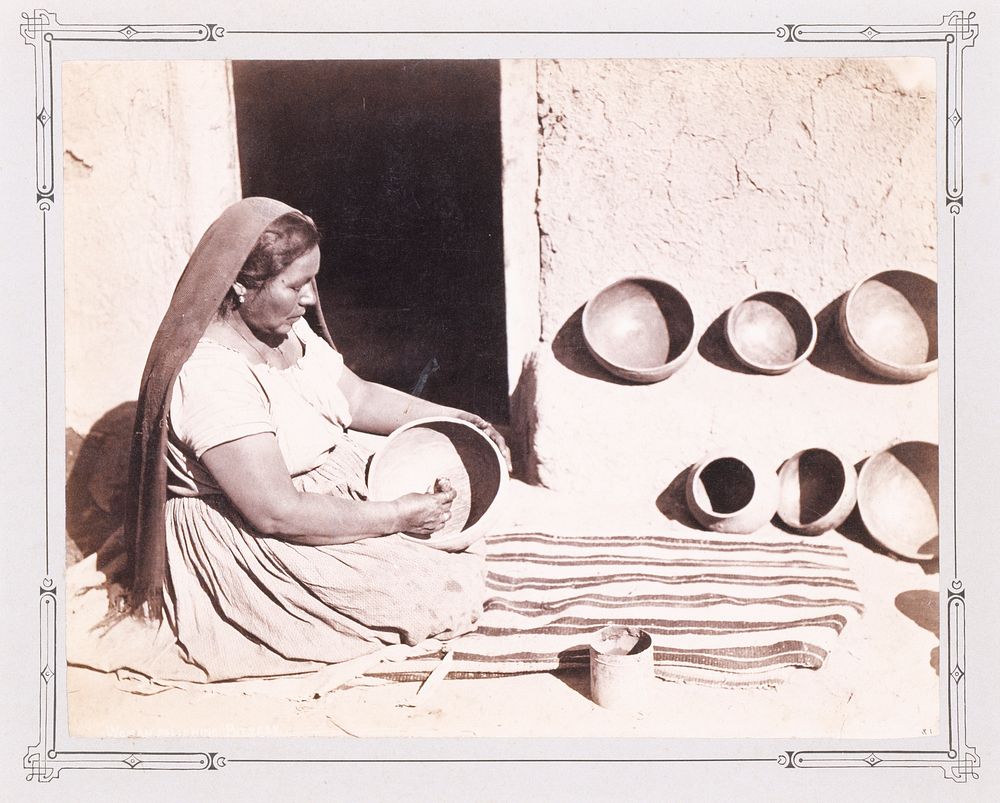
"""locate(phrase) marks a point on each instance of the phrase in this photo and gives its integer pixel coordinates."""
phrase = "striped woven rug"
(719, 609)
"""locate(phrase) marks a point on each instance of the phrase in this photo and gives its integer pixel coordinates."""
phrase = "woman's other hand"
(489, 430)
(378, 409)
(424, 514)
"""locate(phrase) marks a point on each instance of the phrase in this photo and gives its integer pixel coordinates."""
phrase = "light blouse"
(219, 396)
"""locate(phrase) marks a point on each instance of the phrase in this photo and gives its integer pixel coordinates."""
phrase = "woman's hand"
(424, 514)
(252, 473)
(489, 430)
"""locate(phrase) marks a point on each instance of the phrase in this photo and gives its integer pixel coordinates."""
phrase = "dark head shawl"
(209, 274)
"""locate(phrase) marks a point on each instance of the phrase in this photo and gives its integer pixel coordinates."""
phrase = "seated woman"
(247, 525)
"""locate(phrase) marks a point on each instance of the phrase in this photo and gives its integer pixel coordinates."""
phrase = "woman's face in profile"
(282, 300)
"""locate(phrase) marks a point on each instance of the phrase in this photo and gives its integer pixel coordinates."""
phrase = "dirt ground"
(880, 680)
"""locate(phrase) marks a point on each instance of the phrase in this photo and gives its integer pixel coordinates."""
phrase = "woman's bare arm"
(252, 473)
(379, 409)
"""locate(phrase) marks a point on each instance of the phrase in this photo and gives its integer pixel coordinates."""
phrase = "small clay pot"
(817, 491)
(640, 329)
(418, 453)
(770, 332)
(621, 667)
(729, 494)
(898, 499)
(889, 324)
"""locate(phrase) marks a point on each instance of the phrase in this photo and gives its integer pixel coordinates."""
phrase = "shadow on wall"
(570, 349)
(672, 502)
(854, 529)
(96, 476)
(831, 355)
(921, 607)
(714, 348)
(521, 434)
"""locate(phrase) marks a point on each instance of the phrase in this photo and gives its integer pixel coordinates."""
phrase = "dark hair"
(284, 240)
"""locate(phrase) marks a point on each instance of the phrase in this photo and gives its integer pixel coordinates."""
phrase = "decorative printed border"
(957, 31)
(959, 762)
(44, 761)
(40, 30)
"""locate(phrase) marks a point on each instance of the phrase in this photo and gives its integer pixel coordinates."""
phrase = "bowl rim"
(915, 556)
(846, 322)
(641, 277)
(707, 460)
(437, 419)
(781, 367)
(845, 490)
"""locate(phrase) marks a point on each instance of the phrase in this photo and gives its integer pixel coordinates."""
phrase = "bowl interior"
(771, 329)
(812, 484)
(621, 640)
(898, 498)
(639, 323)
(414, 457)
(893, 317)
(724, 486)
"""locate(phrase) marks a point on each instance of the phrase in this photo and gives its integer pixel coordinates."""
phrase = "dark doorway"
(399, 163)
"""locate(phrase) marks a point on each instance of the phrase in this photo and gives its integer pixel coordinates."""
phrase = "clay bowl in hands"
(898, 499)
(639, 328)
(418, 453)
(770, 332)
(889, 324)
(728, 494)
(817, 491)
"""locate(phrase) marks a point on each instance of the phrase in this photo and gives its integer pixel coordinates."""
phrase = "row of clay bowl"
(643, 329)
(896, 493)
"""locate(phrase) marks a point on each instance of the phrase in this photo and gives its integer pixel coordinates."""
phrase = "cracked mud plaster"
(722, 177)
(798, 168)
(78, 166)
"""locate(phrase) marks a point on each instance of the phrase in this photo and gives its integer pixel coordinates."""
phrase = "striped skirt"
(244, 605)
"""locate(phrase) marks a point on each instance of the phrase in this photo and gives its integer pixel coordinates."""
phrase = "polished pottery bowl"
(418, 453)
(817, 491)
(889, 324)
(770, 332)
(898, 499)
(640, 329)
(730, 494)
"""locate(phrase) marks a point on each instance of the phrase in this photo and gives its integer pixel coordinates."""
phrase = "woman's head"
(284, 240)
(275, 283)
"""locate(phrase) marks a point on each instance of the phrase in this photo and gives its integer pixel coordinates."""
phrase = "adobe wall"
(149, 160)
(721, 177)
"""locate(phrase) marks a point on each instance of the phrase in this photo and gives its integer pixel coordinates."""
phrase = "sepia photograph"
(525, 398)
(506, 394)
